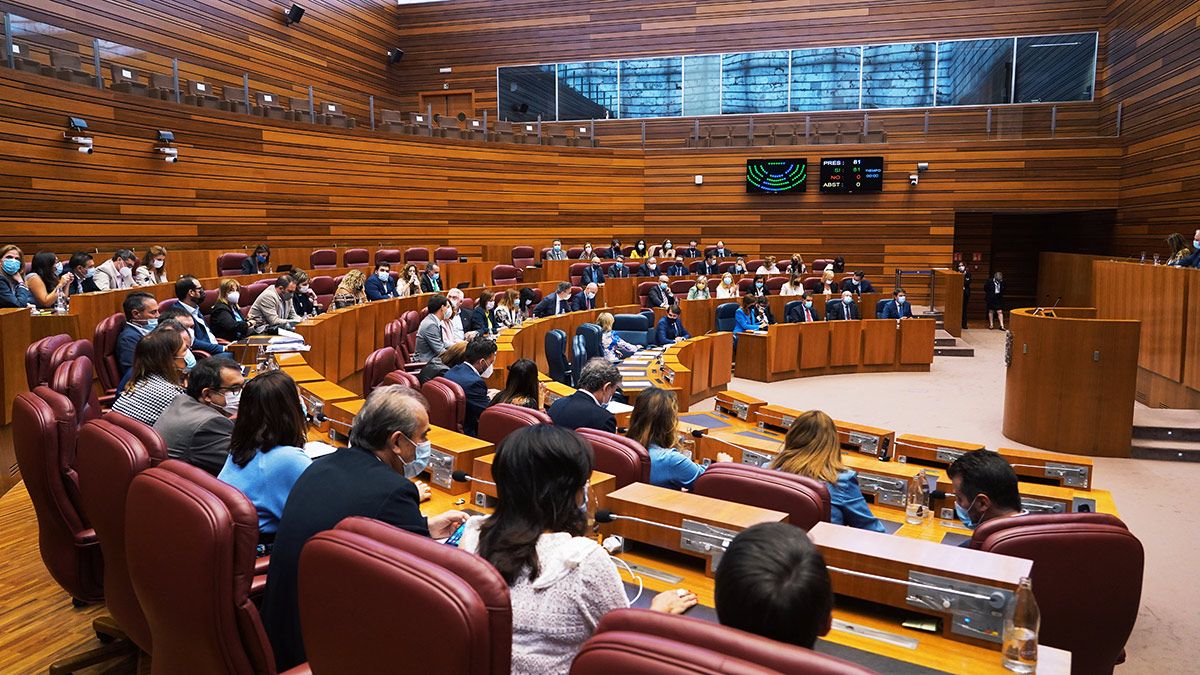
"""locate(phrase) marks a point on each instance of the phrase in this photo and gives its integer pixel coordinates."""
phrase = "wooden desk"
(550, 270)
(528, 341)
(787, 351)
(948, 297)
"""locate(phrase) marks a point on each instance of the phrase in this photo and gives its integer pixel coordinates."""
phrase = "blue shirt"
(672, 469)
(849, 505)
(267, 480)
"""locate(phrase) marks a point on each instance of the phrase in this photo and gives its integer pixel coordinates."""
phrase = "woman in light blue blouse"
(266, 454)
(811, 449)
(654, 423)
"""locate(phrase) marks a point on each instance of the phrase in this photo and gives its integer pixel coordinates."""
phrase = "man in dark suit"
(709, 267)
(431, 280)
(381, 285)
(478, 363)
(675, 268)
(618, 270)
(692, 250)
(388, 446)
(1192, 260)
(612, 252)
(190, 294)
(858, 284)
(844, 310)
(670, 329)
(649, 268)
(197, 425)
(598, 383)
(556, 251)
(558, 302)
(586, 299)
(661, 295)
(721, 252)
(804, 312)
(593, 273)
(141, 317)
(82, 266)
(898, 308)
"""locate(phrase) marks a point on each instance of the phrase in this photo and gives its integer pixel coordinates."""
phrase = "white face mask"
(487, 372)
(847, 299)
(383, 276)
(491, 304)
(233, 297)
(126, 272)
(158, 264)
(232, 399)
(900, 299)
(728, 280)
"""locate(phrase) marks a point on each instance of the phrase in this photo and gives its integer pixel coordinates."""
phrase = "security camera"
(172, 154)
(84, 142)
(922, 167)
(171, 159)
(85, 149)
(913, 178)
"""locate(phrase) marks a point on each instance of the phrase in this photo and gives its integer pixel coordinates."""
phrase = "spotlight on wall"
(77, 134)
(294, 13)
(394, 55)
(170, 153)
(922, 167)
(913, 179)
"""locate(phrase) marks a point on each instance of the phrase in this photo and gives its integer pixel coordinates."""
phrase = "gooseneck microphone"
(464, 477)
(316, 412)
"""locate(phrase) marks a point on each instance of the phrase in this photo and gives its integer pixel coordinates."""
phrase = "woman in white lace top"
(560, 581)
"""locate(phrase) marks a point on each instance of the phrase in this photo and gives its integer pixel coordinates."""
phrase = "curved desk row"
(790, 350)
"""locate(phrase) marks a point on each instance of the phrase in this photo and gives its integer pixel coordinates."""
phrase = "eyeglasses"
(231, 390)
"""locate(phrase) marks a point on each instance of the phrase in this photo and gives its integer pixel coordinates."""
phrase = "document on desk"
(616, 407)
(315, 449)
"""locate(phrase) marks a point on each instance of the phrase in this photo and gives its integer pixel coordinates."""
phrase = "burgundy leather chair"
(324, 287)
(38, 369)
(250, 293)
(323, 259)
(353, 578)
(390, 256)
(163, 305)
(811, 283)
(379, 363)
(356, 257)
(73, 379)
(623, 457)
(44, 428)
(820, 264)
(498, 421)
(680, 287)
(753, 265)
(575, 272)
(522, 257)
(745, 284)
(418, 254)
(505, 275)
(401, 377)
(776, 283)
(805, 499)
(71, 351)
(104, 340)
(230, 264)
(1087, 609)
(189, 543)
(412, 321)
(642, 641)
(154, 444)
(445, 254)
(643, 292)
(447, 403)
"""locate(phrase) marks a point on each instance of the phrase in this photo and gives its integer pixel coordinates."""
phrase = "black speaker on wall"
(394, 55)
(294, 14)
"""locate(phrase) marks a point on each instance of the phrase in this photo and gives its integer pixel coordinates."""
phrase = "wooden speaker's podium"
(1071, 381)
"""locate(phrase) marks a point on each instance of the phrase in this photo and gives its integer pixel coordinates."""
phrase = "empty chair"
(73, 379)
(522, 256)
(811, 283)
(391, 256)
(22, 61)
(776, 283)
(623, 457)
(680, 287)
(356, 257)
(575, 272)
(69, 68)
(501, 419)
(1088, 610)
(366, 568)
(230, 264)
(635, 329)
(412, 321)
(269, 106)
(578, 357)
(44, 428)
(805, 500)
(725, 316)
(336, 117)
(38, 369)
(880, 305)
(591, 339)
(415, 254)
(199, 94)
(642, 641)
(70, 351)
(475, 131)
(323, 259)
(448, 127)
(447, 403)
(583, 136)
(150, 439)
(127, 80)
(233, 99)
(393, 121)
(445, 254)
(298, 111)
(556, 357)
(250, 292)
(324, 287)
(505, 275)
(104, 340)
(401, 377)
(190, 549)
(379, 363)
(420, 124)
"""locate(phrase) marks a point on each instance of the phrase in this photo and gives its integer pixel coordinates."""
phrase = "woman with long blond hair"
(811, 449)
(828, 285)
(654, 423)
(350, 291)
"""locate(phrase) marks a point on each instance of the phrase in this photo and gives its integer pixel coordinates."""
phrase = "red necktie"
(807, 315)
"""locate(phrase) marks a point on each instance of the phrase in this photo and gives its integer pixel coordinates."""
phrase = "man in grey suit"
(197, 425)
(556, 251)
(273, 308)
(433, 335)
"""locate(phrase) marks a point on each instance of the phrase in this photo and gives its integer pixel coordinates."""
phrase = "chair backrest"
(394, 336)
(38, 370)
(522, 256)
(390, 256)
(642, 641)
(416, 254)
(634, 329)
(104, 339)
(230, 264)
(623, 457)
(575, 272)
(322, 285)
(250, 292)
(401, 377)
(591, 339)
(447, 403)
(500, 420)
(820, 264)
(190, 549)
(379, 363)
(44, 430)
(353, 578)
(1088, 610)
(356, 257)
(880, 305)
(643, 292)
(154, 444)
(60, 59)
(812, 283)
(267, 100)
(804, 499)
(556, 356)
(578, 357)
(504, 275)
(788, 307)
(776, 283)
(682, 286)
(323, 259)
(73, 379)
(725, 314)
(445, 254)
(111, 456)
(71, 351)
(164, 305)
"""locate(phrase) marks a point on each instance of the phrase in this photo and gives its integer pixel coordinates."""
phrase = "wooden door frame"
(444, 92)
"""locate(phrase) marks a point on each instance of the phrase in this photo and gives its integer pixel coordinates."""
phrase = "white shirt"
(788, 290)
(731, 292)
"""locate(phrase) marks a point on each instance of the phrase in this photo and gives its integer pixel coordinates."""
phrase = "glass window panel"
(652, 88)
(526, 92)
(1056, 68)
(825, 79)
(702, 85)
(898, 76)
(975, 72)
(587, 91)
(755, 82)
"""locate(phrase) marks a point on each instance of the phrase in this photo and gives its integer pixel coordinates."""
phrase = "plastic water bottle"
(61, 302)
(1021, 625)
(916, 507)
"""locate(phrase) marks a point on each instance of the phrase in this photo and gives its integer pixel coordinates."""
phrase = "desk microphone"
(606, 516)
(316, 413)
(464, 477)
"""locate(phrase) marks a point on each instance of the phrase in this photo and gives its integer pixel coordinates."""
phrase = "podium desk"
(790, 350)
(549, 270)
(1071, 381)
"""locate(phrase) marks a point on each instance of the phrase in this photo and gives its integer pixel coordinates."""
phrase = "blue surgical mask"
(91, 271)
(808, 303)
(262, 258)
(151, 324)
(189, 361)
(58, 268)
(435, 276)
(557, 247)
(383, 276)
(964, 515)
(759, 284)
(420, 461)
(618, 263)
(590, 295)
(1196, 243)
(662, 285)
(12, 266)
(901, 299)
